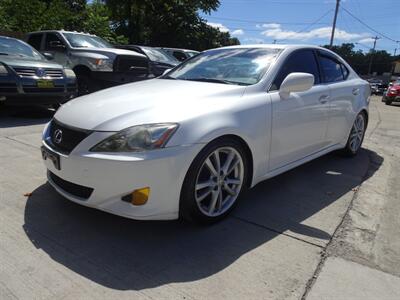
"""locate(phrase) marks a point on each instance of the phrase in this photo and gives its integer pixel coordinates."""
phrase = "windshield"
(13, 47)
(242, 66)
(159, 56)
(86, 41)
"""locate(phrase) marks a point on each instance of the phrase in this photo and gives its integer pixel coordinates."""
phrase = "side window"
(35, 40)
(300, 61)
(53, 42)
(331, 69)
(179, 56)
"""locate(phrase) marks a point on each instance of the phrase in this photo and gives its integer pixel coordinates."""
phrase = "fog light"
(138, 197)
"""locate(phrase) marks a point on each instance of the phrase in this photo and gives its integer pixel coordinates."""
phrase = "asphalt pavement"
(326, 230)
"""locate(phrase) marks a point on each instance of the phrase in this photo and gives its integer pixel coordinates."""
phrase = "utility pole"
(372, 54)
(334, 23)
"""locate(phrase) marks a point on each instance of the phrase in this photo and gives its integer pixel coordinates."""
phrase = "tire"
(86, 84)
(207, 198)
(383, 99)
(356, 136)
(387, 102)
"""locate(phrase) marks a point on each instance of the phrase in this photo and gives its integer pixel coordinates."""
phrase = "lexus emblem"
(57, 136)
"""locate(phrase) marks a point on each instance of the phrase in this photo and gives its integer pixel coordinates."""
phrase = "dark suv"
(26, 77)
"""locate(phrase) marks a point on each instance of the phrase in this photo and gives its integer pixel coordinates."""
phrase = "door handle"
(323, 99)
(355, 91)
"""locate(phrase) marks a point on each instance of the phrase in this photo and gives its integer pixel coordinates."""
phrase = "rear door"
(343, 94)
(299, 122)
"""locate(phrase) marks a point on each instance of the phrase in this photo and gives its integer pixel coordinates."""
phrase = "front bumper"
(110, 79)
(395, 98)
(114, 176)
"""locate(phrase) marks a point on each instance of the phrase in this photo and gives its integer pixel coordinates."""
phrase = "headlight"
(138, 138)
(69, 73)
(3, 70)
(103, 64)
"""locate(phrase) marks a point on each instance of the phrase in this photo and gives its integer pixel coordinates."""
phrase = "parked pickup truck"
(96, 63)
(26, 77)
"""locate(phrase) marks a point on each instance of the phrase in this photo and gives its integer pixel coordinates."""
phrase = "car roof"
(179, 49)
(62, 31)
(276, 46)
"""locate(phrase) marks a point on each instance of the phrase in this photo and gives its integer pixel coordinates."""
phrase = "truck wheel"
(86, 84)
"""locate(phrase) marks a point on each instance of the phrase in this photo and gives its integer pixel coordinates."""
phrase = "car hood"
(22, 62)
(109, 51)
(146, 102)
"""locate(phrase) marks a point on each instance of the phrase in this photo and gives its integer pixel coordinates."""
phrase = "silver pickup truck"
(95, 62)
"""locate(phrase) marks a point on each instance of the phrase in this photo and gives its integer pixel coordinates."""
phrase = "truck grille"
(71, 137)
(37, 72)
(130, 64)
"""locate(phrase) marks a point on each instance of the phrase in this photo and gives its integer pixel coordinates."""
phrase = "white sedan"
(188, 143)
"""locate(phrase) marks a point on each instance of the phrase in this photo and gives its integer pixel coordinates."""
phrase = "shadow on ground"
(16, 116)
(131, 255)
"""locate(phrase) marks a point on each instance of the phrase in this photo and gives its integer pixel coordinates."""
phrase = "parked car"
(191, 141)
(180, 54)
(158, 60)
(378, 87)
(26, 77)
(96, 63)
(392, 94)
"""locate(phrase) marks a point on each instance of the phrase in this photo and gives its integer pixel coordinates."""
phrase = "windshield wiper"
(3, 53)
(168, 77)
(215, 80)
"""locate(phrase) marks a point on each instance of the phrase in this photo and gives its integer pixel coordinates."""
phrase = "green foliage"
(169, 23)
(174, 23)
(359, 61)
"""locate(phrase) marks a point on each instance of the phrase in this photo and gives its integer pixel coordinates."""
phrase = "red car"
(392, 94)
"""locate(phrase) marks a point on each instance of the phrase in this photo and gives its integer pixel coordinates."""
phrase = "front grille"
(8, 87)
(33, 89)
(71, 137)
(25, 72)
(130, 64)
(54, 73)
(34, 73)
(74, 189)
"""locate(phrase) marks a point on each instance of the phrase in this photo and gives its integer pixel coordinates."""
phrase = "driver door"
(299, 122)
(55, 45)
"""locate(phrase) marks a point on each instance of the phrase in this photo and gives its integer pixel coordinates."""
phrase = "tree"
(382, 60)
(173, 23)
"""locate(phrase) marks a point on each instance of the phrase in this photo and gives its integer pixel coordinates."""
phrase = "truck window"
(35, 40)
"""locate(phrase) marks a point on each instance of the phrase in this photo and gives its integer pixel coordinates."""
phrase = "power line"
(257, 22)
(369, 27)
(309, 26)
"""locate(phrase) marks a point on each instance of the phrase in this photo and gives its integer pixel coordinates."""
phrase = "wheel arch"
(81, 69)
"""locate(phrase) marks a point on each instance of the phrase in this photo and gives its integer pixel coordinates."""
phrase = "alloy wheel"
(219, 181)
(357, 133)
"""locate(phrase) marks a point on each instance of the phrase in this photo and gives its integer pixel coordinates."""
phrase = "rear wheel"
(356, 136)
(214, 182)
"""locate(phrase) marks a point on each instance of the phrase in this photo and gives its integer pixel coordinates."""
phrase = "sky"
(310, 22)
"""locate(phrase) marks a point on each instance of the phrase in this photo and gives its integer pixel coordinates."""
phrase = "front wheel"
(214, 182)
(356, 136)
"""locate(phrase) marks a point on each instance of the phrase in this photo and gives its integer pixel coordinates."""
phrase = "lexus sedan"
(187, 144)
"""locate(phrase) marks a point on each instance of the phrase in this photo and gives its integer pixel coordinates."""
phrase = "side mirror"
(57, 45)
(166, 71)
(48, 55)
(296, 82)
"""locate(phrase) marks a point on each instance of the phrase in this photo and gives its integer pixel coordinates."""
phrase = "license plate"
(54, 157)
(46, 84)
